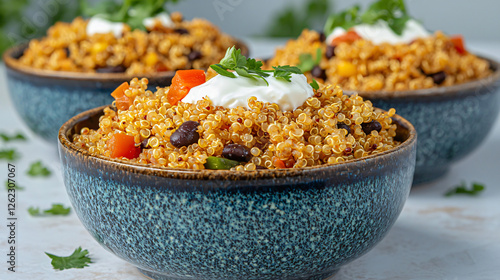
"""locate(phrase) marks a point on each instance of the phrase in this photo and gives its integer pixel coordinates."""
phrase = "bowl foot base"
(157, 276)
(429, 174)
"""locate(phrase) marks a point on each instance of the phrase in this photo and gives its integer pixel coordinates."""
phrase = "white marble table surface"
(436, 237)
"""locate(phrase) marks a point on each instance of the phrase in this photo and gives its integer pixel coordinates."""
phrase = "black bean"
(344, 126)
(111, 69)
(194, 55)
(322, 36)
(369, 127)
(185, 135)
(330, 52)
(260, 167)
(144, 143)
(181, 31)
(438, 77)
(67, 52)
(236, 152)
(318, 72)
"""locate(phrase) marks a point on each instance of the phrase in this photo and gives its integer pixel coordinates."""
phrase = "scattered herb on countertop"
(475, 189)
(307, 62)
(251, 68)
(37, 169)
(79, 259)
(13, 186)
(131, 12)
(7, 138)
(9, 154)
(56, 210)
(393, 12)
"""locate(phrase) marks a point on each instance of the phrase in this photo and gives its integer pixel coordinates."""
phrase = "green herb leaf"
(13, 186)
(131, 12)
(79, 259)
(393, 12)
(9, 154)
(307, 62)
(220, 70)
(17, 137)
(217, 163)
(462, 189)
(56, 210)
(250, 68)
(345, 19)
(37, 169)
(314, 84)
(285, 72)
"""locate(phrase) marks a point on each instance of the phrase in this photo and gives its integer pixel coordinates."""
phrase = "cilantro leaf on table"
(475, 189)
(57, 209)
(37, 169)
(9, 154)
(13, 186)
(17, 137)
(79, 259)
(250, 68)
(307, 62)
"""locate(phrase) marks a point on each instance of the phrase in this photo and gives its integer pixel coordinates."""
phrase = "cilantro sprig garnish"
(307, 62)
(79, 259)
(131, 12)
(37, 169)
(251, 68)
(393, 12)
(474, 190)
(55, 210)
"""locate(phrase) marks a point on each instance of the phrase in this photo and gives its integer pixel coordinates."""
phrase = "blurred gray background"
(476, 20)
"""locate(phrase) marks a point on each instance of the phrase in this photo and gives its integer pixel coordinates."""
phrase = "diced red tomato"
(183, 82)
(458, 42)
(349, 37)
(278, 163)
(123, 145)
(122, 101)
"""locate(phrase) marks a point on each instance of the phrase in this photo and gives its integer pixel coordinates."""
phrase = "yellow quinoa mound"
(68, 48)
(308, 136)
(363, 66)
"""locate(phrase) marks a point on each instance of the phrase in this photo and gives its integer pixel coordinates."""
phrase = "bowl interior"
(12, 55)
(405, 133)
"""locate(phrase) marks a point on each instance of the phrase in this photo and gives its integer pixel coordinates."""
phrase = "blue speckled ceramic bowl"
(267, 224)
(451, 121)
(46, 99)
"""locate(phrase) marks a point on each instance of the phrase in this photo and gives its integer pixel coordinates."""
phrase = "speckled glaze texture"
(451, 122)
(206, 225)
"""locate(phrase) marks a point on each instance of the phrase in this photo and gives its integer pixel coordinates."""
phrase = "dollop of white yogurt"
(163, 17)
(98, 25)
(380, 32)
(233, 92)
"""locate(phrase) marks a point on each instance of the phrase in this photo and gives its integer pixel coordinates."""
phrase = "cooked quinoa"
(313, 134)
(364, 66)
(191, 44)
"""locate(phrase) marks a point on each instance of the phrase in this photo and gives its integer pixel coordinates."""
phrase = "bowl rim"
(65, 143)
(436, 91)
(13, 63)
